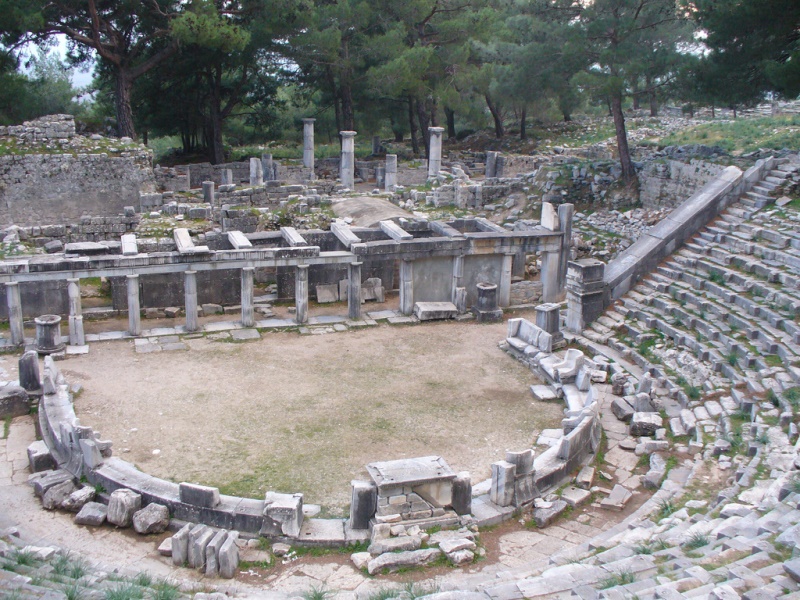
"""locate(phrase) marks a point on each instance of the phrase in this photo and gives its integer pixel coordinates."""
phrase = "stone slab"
(431, 311)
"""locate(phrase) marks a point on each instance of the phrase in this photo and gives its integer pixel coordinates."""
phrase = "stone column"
(190, 299)
(458, 274)
(256, 172)
(308, 144)
(15, 313)
(301, 294)
(347, 167)
(208, 192)
(227, 177)
(76, 335)
(435, 153)
(268, 167)
(406, 287)
(549, 276)
(504, 290)
(490, 169)
(354, 291)
(248, 319)
(134, 311)
(565, 212)
(390, 178)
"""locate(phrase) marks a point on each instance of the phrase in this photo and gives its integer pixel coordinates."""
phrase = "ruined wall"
(667, 183)
(51, 175)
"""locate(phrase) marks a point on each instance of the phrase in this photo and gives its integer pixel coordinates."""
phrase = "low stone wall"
(681, 224)
(78, 450)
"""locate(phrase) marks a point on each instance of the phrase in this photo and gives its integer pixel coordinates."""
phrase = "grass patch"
(316, 593)
(163, 590)
(124, 591)
(697, 540)
(6, 427)
(742, 135)
(617, 579)
(666, 508)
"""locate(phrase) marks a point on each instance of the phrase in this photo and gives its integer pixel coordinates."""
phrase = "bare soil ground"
(307, 413)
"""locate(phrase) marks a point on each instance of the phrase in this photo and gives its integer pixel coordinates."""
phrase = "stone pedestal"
(308, 143)
(48, 334)
(363, 504)
(256, 172)
(435, 152)
(390, 178)
(76, 335)
(301, 294)
(585, 290)
(208, 191)
(190, 299)
(227, 176)
(354, 291)
(248, 317)
(548, 319)
(15, 313)
(134, 309)
(406, 287)
(347, 169)
(486, 309)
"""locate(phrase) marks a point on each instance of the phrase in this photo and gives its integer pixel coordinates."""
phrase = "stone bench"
(527, 338)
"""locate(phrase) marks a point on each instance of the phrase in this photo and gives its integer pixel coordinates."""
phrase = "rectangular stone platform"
(431, 311)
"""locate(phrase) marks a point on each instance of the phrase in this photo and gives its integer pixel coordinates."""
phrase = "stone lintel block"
(198, 495)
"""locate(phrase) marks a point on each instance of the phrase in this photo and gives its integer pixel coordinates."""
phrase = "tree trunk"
(412, 125)
(422, 117)
(216, 151)
(432, 108)
(635, 95)
(628, 172)
(499, 130)
(337, 107)
(450, 117)
(567, 117)
(734, 112)
(713, 112)
(348, 119)
(523, 134)
(122, 99)
(651, 95)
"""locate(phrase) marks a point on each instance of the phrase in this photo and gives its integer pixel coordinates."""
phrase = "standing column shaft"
(435, 154)
(549, 276)
(390, 177)
(208, 192)
(15, 313)
(256, 172)
(190, 299)
(347, 168)
(134, 310)
(268, 167)
(406, 287)
(76, 335)
(458, 274)
(354, 291)
(308, 143)
(248, 319)
(301, 294)
(565, 213)
(504, 291)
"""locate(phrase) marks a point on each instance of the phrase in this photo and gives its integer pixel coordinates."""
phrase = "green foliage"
(665, 508)
(316, 593)
(617, 579)
(124, 591)
(6, 427)
(695, 541)
(741, 135)
(163, 590)
(24, 558)
(73, 591)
